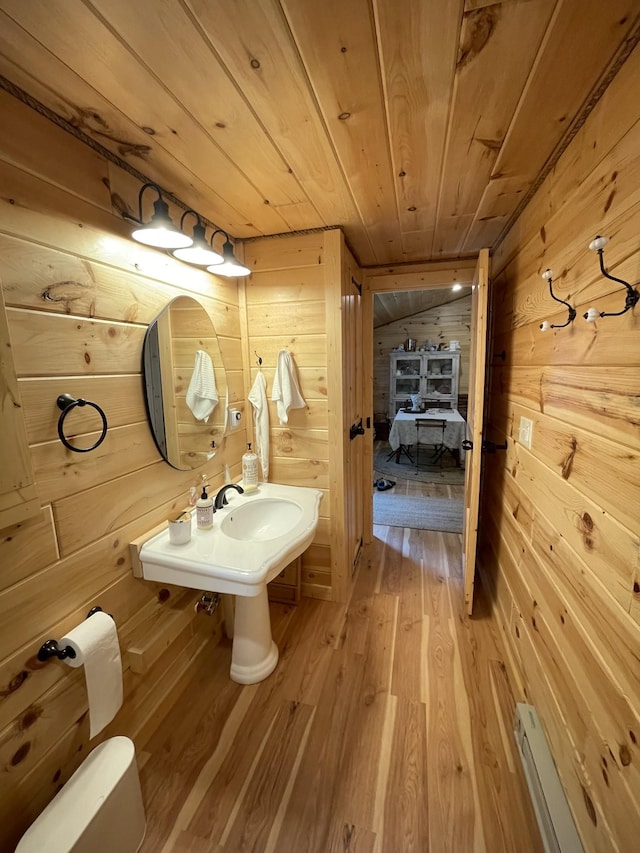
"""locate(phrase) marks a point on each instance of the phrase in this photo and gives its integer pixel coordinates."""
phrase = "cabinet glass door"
(407, 378)
(442, 378)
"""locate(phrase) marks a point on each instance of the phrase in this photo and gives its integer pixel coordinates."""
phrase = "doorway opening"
(421, 341)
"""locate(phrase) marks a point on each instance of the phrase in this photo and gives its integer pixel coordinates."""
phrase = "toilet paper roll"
(95, 643)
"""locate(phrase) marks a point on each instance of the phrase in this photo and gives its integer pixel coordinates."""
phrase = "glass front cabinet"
(433, 375)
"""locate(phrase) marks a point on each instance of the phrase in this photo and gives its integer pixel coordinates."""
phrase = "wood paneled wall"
(79, 295)
(450, 322)
(285, 299)
(561, 527)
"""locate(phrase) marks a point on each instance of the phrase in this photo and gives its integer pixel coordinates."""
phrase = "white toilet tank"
(99, 810)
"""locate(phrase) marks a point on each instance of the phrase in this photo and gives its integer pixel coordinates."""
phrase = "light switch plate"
(525, 433)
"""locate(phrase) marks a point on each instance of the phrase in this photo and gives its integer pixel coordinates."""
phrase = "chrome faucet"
(221, 497)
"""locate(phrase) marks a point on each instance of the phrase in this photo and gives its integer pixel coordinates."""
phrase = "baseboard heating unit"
(556, 824)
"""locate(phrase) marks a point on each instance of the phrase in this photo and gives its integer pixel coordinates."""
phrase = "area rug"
(382, 467)
(419, 513)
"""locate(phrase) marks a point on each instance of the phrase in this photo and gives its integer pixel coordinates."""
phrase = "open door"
(473, 462)
(353, 411)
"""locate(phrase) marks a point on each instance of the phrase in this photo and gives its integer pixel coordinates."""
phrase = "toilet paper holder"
(49, 649)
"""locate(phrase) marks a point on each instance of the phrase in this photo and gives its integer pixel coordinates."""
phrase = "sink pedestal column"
(254, 655)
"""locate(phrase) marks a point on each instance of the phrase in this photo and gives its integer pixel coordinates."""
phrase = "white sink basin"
(261, 520)
(252, 540)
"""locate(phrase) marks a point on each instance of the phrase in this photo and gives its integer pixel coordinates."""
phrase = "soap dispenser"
(204, 510)
(250, 470)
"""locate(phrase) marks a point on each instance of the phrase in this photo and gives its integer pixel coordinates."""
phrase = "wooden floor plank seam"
(278, 820)
(248, 779)
(211, 768)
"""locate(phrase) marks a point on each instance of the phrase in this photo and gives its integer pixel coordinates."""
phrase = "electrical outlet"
(525, 433)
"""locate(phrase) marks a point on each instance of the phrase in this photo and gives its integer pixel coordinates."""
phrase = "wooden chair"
(426, 429)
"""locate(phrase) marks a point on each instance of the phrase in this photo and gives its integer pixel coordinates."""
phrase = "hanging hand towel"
(286, 392)
(258, 399)
(202, 394)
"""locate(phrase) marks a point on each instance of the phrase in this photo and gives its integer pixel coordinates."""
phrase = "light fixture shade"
(230, 266)
(160, 230)
(200, 253)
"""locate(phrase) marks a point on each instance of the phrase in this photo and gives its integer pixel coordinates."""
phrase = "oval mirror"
(185, 384)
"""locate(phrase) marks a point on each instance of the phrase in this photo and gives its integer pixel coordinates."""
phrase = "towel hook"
(259, 359)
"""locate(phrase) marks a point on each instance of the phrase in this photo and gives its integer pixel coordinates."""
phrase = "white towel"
(258, 399)
(286, 392)
(202, 394)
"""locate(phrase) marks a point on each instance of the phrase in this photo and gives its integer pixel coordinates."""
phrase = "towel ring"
(66, 402)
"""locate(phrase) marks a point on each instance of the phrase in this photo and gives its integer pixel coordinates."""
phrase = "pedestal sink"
(251, 542)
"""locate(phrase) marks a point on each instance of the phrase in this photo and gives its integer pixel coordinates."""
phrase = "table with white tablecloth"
(404, 432)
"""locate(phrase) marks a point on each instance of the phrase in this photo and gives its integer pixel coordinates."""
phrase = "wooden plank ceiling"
(417, 126)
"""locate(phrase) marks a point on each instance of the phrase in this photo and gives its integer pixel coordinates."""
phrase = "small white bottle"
(250, 470)
(204, 510)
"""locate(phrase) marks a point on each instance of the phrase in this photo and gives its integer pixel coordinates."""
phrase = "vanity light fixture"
(200, 253)
(632, 296)
(547, 275)
(230, 265)
(160, 231)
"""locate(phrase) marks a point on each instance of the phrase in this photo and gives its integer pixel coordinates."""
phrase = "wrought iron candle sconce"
(632, 296)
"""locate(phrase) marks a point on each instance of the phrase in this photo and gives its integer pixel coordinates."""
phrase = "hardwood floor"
(387, 726)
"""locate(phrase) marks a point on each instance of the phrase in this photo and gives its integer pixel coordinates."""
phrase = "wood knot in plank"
(586, 526)
(30, 716)
(347, 835)
(589, 806)
(20, 754)
(587, 522)
(609, 201)
(625, 755)
(66, 292)
(479, 26)
(492, 145)
(567, 465)
(16, 682)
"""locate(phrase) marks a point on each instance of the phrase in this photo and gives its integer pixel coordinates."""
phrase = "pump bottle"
(250, 470)
(204, 510)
